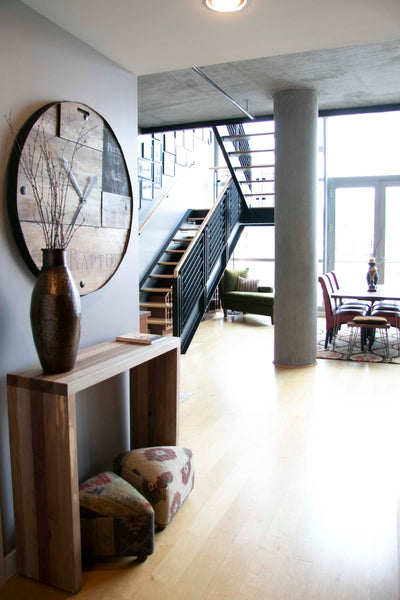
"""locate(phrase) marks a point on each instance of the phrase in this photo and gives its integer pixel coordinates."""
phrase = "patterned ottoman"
(115, 518)
(164, 475)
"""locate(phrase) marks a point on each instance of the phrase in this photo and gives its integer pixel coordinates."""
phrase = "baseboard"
(10, 565)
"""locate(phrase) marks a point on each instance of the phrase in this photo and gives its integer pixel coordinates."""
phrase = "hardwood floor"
(297, 482)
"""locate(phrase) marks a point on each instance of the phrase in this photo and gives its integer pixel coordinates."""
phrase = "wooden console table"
(42, 420)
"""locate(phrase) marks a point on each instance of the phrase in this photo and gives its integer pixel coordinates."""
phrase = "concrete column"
(295, 312)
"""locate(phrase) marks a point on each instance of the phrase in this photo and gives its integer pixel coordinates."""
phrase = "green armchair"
(245, 296)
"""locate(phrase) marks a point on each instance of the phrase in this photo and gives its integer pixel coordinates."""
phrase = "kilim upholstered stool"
(368, 326)
(164, 475)
(115, 519)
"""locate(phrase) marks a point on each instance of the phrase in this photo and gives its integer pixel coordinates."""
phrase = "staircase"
(181, 283)
(250, 156)
(156, 292)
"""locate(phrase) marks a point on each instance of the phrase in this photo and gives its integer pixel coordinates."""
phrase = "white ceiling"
(348, 50)
(150, 36)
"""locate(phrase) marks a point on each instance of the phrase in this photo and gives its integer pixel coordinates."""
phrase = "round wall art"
(80, 152)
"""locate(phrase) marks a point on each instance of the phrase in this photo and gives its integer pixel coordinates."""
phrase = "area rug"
(342, 343)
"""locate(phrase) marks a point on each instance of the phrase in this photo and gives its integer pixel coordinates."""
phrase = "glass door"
(351, 226)
(362, 221)
(391, 193)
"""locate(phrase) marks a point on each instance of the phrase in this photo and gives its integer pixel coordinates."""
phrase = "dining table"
(382, 292)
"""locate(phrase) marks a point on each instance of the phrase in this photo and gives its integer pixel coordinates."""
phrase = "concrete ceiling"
(348, 50)
(353, 77)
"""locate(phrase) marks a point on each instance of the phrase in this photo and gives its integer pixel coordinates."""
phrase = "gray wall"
(158, 229)
(193, 189)
(40, 63)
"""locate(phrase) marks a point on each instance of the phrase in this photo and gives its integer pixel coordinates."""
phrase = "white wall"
(40, 63)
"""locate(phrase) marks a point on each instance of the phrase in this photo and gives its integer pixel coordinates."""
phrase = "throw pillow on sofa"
(247, 285)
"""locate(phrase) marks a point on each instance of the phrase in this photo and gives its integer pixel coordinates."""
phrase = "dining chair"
(335, 316)
(389, 305)
(334, 285)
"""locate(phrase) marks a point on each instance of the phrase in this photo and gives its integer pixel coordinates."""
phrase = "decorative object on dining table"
(372, 275)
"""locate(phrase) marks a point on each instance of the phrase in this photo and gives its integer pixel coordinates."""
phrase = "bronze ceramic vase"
(56, 313)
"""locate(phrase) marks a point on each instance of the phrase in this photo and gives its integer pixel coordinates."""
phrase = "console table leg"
(45, 486)
(154, 401)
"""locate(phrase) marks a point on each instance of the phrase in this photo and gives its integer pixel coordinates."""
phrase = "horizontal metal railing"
(199, 270)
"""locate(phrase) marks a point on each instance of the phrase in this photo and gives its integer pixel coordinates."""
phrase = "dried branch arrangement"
(49, 175)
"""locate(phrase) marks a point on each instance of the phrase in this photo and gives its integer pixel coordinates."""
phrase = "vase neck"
(54, 257)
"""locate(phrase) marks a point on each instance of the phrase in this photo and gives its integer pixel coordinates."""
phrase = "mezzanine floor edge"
(297, 482)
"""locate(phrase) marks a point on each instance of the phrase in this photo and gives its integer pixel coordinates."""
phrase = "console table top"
(93, 365)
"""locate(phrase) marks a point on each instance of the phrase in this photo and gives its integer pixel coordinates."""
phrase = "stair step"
(244, 152)
(175, 251)
(161, 276)
(156, 304)
(168, 264)
(188, 229)
(257, 181)
(156, 290)
(189, 239)
(159, 321)
(196, 218)
(253, 167)
(246, 136)
(260, 195)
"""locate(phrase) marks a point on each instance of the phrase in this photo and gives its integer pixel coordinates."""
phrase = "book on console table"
(139, 338)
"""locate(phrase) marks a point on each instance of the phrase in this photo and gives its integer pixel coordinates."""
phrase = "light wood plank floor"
(297, 482)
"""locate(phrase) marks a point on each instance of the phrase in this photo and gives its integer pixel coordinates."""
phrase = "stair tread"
(253, 167)
(188, 229)
(175, 251)
(156, 289)
(242, 152)
(182, 240)
(154, 321)
(257, 181)
(161, 276)
(156, 304)
(246, 136)
(167, 264)
(261, 194)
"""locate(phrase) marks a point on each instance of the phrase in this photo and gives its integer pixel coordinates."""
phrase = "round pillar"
(295, 309)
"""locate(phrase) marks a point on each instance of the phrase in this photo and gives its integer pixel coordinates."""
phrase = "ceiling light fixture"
(226, 5)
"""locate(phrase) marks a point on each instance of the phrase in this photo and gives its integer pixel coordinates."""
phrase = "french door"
(363, 217)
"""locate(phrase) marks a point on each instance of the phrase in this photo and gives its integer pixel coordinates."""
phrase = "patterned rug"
(342, 343)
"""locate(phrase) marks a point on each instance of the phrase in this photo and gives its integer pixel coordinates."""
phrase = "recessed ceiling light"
(226, 5)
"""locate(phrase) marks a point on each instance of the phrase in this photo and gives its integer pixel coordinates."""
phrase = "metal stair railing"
(200, 269)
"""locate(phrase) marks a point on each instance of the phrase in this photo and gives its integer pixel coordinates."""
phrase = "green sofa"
(260, 301)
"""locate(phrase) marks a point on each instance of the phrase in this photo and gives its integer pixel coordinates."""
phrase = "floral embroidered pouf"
(164, 475)
(116, 520)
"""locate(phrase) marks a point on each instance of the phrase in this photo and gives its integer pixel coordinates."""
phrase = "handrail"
(166, 195)
(200, 230)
